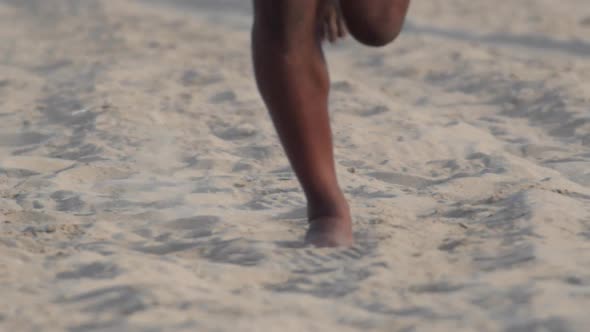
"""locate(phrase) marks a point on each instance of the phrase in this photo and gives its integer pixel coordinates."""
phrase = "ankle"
(333, 206)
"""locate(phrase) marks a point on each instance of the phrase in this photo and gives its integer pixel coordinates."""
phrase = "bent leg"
(293, 80)
(374, 22)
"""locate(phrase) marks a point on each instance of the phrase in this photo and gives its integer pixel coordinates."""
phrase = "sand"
(142, 186)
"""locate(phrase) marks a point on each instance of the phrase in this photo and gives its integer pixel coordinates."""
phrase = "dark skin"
(293, 80)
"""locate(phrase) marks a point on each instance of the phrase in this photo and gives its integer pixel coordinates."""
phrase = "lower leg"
(293, 80)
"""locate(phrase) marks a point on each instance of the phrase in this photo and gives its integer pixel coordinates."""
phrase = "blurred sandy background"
(142, 187)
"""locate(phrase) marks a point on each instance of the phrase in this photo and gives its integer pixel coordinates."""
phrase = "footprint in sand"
(232, 133)
(223, 97)
(194, 227)
(193, 78)
(36, 164)
(23, 139)
(96, 270)
(68, 201)
(342, 86)
(236, 252)
(375, 111)
(178, 235)
(120, 300)
(402, 179)
(327, 273)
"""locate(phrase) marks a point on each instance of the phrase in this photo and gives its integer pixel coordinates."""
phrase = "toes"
(333, 25)
(341, 25)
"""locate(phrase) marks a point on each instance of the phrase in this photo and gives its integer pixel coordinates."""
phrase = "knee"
(279, 19)
(374, 25)
(375, 34)
(268, 18)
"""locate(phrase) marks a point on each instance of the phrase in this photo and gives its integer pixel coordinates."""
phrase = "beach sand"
(142, 186)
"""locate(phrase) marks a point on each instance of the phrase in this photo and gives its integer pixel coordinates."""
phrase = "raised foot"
(330, 232)
(333, 26)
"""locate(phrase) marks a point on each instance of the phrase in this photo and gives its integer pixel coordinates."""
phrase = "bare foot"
(330, 232)
(333, 27)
